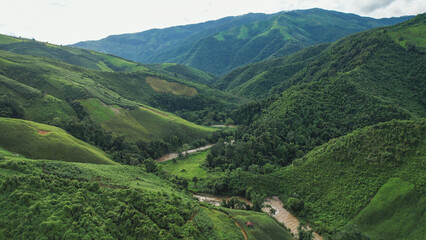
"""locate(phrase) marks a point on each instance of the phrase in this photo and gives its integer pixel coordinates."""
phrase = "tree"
(229, 122)
(257, 200)
(185, 148)
(195, 180)
(303, 234)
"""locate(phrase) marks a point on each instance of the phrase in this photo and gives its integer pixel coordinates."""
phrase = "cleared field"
(163, 86)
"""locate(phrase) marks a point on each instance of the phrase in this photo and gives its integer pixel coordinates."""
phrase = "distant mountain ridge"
(222, 45)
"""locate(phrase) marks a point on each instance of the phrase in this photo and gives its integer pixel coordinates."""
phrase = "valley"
(305, 124)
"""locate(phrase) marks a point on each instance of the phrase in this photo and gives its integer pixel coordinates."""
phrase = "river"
(281, 214)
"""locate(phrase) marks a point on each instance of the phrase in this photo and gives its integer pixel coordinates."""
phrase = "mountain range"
(222, 45)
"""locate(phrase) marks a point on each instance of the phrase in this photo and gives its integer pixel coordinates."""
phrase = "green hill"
(40, 141)
(259, 80)
(43, 90)
(370, 181)
(341, 177)
(64, 200)
(143, 123)
(173, 83)
(222, 45)
(358, 81)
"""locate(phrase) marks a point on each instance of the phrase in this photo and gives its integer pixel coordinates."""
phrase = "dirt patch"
(171, 156)
(115, 110)
(241, 228)
(42, 132)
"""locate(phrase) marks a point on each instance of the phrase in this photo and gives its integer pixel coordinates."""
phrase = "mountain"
(222, 45)
(273, 76)
(361, 80)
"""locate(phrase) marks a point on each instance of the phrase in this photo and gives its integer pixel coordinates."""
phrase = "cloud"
(371, 6)
(56, 4)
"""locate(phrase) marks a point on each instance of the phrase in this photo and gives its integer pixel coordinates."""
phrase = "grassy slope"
(396, 212)
(43, 87)
(143, 123)
(265, 227)
(126, 85)
(189, 73)
(23, 137)
(188, 167)
(163, 86)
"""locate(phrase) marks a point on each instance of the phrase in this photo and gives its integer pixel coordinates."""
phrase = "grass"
(163, 86)
(143, 123)
(188, 167)
(413, 33)
(395, 212)
(222, 225)
(99, 112)
(265, 227)
(27, 138)
(191, 167)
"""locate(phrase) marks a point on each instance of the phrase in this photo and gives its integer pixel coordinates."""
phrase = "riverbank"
(282, 215)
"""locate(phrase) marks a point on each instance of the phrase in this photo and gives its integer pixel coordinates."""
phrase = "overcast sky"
(70, 21)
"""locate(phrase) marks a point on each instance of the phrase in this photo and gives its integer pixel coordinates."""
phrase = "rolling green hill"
(42, 89)
(361, 80)
(222, 45)
(143, 123)
(65, 200)
(100, 61)
(160, 85)
(36, 141)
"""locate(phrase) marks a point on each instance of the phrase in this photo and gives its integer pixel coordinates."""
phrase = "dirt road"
(171, 156)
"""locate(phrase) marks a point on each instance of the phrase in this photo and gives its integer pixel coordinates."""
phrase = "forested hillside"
(367, 183)
(222, 45)
(358, 81)
(59, 200)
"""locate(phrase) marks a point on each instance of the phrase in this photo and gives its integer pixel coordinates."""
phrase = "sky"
(71, 21)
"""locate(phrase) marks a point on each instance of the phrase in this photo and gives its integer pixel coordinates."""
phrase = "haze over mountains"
(222, 45)
(330, 111)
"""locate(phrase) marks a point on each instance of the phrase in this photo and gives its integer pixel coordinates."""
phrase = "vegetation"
(396, 202)
(118, 78)
(57, 200)
(36, 140)
(222, 45)
(358, 81)
(333, 183)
